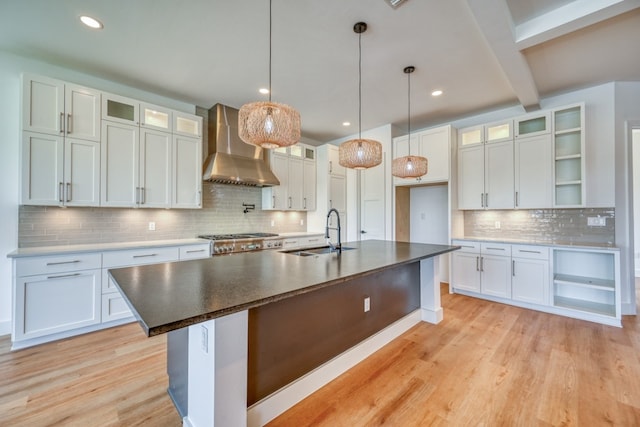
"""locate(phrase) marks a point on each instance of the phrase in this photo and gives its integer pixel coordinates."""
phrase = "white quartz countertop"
(101, 247)
(557, 244)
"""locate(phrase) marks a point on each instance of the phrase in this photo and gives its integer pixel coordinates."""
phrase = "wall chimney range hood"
(230, 160)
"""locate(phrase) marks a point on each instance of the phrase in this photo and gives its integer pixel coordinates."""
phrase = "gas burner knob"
(257, 246)
(217, 249)
(242, 247)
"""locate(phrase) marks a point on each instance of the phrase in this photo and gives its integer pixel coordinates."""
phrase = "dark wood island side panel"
(289, 338)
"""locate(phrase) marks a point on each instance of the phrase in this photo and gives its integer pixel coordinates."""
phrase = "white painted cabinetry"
(530, 274)
(533, 172)
(485, 167)
(295, 168)
(583, 283)
(60, 143)
(435, 145)
(569, 162)
(55, 294)
(186, 183)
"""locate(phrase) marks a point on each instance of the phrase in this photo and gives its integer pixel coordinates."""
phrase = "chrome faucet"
(337, 247)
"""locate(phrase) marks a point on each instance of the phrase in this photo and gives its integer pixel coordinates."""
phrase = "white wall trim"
(270, 407)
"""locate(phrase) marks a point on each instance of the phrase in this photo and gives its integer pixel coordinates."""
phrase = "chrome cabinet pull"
(516, 199)
(61, 192)
(481, 263)
(137, 195)
(199, 197)
(289, 202)
(61, 122)
(63, 275)
(495, 249)
(513, 267)
(482, 200)
(144, 256)
(143, 192)
(69, 124)
(274, 202)
(304, 203)
(195, 251)
(486, 200)
(68, 198)
(75, 261)
(530, 252)
(330, 203)
(330, 166)
(477, 263)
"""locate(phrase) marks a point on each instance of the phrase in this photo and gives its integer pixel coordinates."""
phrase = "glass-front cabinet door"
(533, 124)
(154, 117)
(119, 109)
(498, 132)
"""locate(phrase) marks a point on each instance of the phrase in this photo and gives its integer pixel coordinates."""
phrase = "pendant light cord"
(270, 25)
(360, 86)
(409, 110)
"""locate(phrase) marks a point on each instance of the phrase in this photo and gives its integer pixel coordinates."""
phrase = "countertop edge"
(568, 245)
(100, 247)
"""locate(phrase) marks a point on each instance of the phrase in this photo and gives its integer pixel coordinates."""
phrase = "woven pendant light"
(360, 153)
(409, 166)
(269, 124)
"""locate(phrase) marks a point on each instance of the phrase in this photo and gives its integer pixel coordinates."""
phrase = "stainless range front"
(242, 242)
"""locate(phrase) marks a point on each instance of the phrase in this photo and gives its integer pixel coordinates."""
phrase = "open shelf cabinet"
(569, 147)
(587, 281)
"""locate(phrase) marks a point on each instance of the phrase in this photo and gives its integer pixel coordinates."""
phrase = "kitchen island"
(227, 309)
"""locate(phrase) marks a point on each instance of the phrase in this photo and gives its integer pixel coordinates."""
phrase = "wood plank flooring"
(485, 364)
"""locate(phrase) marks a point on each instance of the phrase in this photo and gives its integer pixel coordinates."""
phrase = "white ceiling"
(484, 54)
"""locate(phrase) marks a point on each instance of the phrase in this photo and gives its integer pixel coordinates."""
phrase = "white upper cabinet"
(471, 178)
(120, 165)
(120, 109)
(187, 124)
(533, 124)
(155, 169)
(435, 145)
(58, 108)
(334, 162)
(187, 177)
(60, 158)
(295, 168)
(533, 172)
(471, 136)
(499, 131)
(154, 117)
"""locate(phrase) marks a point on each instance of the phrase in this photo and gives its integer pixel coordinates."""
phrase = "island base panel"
(292, 337)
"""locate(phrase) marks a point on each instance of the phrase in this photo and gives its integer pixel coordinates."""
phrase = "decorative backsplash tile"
(541, 225)
(222, 212)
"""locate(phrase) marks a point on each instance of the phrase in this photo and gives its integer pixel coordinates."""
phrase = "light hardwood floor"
(485, 364)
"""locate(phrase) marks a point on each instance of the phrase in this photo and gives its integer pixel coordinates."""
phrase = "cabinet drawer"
(114, 307)
(57, 264)
(139, 257)
(195, 252)
(503, 249)
(531, 252)
(291, 243)
(314, 241)
(467, 246)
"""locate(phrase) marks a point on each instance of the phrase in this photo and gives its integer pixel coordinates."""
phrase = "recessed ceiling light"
(346, 123)
(264, 90)
(91, 22)
(436, 93)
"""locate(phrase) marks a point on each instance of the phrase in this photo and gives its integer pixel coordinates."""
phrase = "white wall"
(627, 110)
(636, 198)
(11, 67)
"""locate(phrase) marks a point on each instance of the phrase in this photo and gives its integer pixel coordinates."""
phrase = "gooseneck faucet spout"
(337, 247)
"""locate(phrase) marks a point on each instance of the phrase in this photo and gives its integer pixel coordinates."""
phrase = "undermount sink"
(316, 251)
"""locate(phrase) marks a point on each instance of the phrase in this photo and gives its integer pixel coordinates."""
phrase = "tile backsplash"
(542, 225)
(222, 212)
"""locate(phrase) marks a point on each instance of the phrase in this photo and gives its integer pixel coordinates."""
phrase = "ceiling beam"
(494, 20)
(568, 18)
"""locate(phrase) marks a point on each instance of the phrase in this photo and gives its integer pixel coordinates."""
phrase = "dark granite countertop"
(174, 295)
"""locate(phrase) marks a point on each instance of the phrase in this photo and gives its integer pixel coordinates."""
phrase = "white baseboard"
(270, 407)
(5, 327)
(431, 316)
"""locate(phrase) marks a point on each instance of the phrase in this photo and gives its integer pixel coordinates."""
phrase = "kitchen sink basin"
(315, 251)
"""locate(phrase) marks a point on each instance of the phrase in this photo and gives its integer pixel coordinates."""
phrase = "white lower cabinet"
(303, 242)
(483, 268)
(55, 294)
(573, 282)
(530, 274)
(58, 296)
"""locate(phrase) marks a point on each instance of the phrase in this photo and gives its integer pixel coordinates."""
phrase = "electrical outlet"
(596, 221)
(302, 222)
(152, 226)
(204, 339)
(273, 223)
(367, 304)
(497, 225)
(423, 216)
